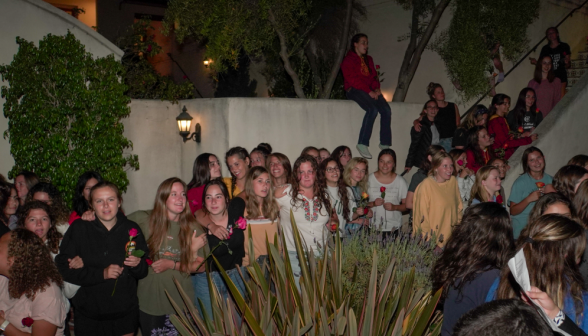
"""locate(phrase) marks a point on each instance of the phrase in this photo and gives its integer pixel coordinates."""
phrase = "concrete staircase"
(579, 67)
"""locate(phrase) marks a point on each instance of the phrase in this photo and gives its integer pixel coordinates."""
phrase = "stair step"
(582, 55)
(576, 72)
(579, 63)
(572, 81)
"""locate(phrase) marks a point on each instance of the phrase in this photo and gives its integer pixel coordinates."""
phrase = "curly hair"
(567, 179)
(483, 240)
(320, 194)
(58, 208)
(53, 236)
(343, 193)
(33, 269)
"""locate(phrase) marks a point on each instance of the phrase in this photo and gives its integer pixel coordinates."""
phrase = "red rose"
(333, 227)
(27, 322)
(365, 211)
(377, 67)
(382, 189)
(133, 232)
(149, 261)
(521, 130)
(499, 199)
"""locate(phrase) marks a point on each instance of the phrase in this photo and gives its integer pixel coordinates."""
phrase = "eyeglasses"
(332, 169)
(530, 97)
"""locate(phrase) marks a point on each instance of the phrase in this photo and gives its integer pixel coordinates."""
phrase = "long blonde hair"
(159, 224)
(478, 190)
(436, 161)
(269, 206)
(347, 173)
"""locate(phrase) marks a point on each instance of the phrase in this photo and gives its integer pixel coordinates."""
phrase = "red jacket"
(498, 127)
(353, 76)
(471, 158)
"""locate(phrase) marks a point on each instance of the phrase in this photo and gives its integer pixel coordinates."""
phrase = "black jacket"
(100, 248)
(419, 144)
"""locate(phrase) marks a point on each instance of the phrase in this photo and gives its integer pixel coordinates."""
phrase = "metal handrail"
(524, 57)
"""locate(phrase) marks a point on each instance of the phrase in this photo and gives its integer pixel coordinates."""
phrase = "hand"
(76, 263)
(378, 92)
(373, 94)
(526, 134)
(359, 212)
(389, 207)
(533, 60)
(470, 172)
(88, 215)
(534, 137)
(112, 272)
(379, 201)
(132, 261)
(417, 125)
(535, 195)
(463, 173)
(198, 242)
(162, 265)
(544, 301)
(220, 232)
(407, 169)
(365, 222)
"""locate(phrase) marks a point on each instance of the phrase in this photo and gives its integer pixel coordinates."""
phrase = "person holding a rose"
(107, 302)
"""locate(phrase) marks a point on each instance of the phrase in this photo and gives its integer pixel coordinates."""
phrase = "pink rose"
(27, 322)
(241, 223)
(133, 232)
(460, 162)
(149, 261)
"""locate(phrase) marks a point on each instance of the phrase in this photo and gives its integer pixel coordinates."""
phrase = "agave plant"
(320, 307)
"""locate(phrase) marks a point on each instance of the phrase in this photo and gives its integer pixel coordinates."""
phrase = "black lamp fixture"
(184, 122)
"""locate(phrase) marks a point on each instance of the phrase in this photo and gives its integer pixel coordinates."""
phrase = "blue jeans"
(295, 264)
(201, 290)
(372, 107)
(446, 144)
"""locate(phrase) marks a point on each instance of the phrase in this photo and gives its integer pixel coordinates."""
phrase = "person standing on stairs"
(362, 85)
(547, 86)
(560, 54)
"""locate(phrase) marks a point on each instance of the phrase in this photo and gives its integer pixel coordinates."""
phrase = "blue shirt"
(521, 188)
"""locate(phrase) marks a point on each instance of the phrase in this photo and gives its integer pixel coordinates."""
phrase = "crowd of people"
(114, 269)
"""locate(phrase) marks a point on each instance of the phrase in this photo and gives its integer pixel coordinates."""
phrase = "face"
(261, 185)
(38, 222)
(529, 99)
(445, 171)
(484, 139)
(552, 35)
(482, 120)
(585, 177)
(105, 203)
(215, 200)
(43, 197)
(237, 166)
(5, 261)
(345, 157)
(361, 47)
(257, 159)
(503, 108)
(21, 186)
(558, 208)
(91, 183)
(358, 172)
(214, 167)
(176, 201)
(536, 162)
(323, 155)
(546, 64)
(332, 172)
(493, 182)
(386, 164)
(306, 175)
(276, 168)
(431, 110)
(501, 168)
(12, 204)
(314, 154)
(439, 94)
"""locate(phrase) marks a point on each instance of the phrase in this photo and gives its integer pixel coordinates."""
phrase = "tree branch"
(311, 57)
(326, 91)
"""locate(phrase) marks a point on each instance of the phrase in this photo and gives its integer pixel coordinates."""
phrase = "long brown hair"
(53, 236)
(243, 155)
(341, 185)
(159, 223)
(567, 178)
(478, 190)
(269, 206)
(285, 163)
(581, 202)
(538, 74)
(551, 244)
(319, 193)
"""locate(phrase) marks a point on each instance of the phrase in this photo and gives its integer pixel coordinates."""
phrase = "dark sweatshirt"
(100, 248)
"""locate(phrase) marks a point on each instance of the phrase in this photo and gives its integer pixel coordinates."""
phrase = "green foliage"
(64, 112)
(236, 82)
(392, 305)
(141, 78)
(476, 27)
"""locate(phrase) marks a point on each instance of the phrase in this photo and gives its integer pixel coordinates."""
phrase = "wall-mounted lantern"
(184, 123)
(206, 63)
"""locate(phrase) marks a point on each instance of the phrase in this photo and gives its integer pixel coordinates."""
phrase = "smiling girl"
(238, 162)
(355, 176)
(487, 185)
(278, 165)
(330, 176)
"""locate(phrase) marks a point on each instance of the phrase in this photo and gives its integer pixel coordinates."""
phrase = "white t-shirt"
(336, 204)
(312, 224)
(395, 193)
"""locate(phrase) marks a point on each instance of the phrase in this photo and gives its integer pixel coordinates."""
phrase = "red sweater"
(353, 75)
(471, 158)
(498, 127)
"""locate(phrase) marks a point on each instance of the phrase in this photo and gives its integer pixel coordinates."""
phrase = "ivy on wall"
(64, 111)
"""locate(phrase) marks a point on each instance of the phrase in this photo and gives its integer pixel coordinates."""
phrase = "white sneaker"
(363, 151)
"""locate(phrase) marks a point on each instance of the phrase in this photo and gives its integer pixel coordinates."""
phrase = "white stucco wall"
(288, 125)
(32, 20)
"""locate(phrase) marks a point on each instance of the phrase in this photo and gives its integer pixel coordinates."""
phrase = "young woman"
(528, 188)
(81, 204)
(580, 203)
(552, 203)
(362, 85)
(579, 160)
(280, 169)
(106, 303)
(420, 141)
(310, 207)
(478, 116)
(259, 154)
(342, 154)
(553, 245)
(388, 215)
(502, 167)
(437, 202)
(560, 53)
(9, 203)
(323, 154)
(503, 145)
(447, 119)
(355, 175)
(30, 287)
(261, 214)
(220, 220)
(206, 167)
(421, 175)
(568, 178)
(547, 86)
(48, 193)
(24, 181)
(483, 244)
(238, 162)
(174, 239)
(525, 117)
(465, 176)
(330, 177)
(312, 151)
(487, 186)
(478, 149)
